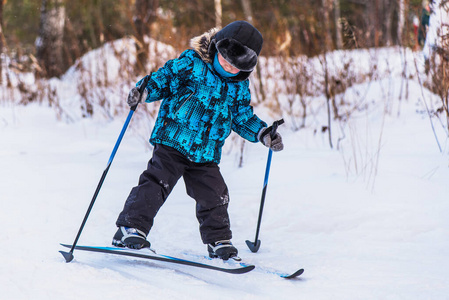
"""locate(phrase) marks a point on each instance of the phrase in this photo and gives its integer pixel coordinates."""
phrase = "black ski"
(258, 268)
(170, 259)
(278, 273)
(296, 274)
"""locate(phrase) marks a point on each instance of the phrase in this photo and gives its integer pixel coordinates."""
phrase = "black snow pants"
(203, 181)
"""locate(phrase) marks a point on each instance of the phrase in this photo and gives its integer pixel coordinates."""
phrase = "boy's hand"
(134, 96)
(274, 143)
(138, 94)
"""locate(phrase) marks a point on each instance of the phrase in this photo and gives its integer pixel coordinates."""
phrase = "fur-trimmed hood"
(239, 43)
(201, 45)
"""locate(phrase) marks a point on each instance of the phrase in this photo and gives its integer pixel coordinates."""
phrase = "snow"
(366, 221)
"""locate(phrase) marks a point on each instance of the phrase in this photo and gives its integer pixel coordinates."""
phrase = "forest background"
(48, 36)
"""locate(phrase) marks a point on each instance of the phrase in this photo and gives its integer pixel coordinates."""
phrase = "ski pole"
(69, 255)
(254, 247)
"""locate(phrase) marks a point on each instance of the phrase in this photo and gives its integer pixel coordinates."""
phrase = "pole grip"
(274, 127)
(142, 87)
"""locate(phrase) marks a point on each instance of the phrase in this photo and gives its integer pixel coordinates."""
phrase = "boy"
(205, 94)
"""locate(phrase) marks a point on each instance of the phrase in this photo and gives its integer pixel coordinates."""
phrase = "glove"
(134, 96)
(274, 143)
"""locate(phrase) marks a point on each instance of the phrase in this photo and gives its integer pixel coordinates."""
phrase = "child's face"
(227, 66)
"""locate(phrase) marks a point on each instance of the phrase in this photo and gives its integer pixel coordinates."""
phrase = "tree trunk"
(338, 27)
(326, 5)
(218, 14)
(388, 10)
(1, 41)
(49, 45)
(370, 24)
(401, 20)
(247, 10)
(144, 16)
(377, 23)
(258, 72)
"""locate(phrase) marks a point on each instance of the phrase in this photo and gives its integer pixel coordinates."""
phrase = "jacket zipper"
(185, 101)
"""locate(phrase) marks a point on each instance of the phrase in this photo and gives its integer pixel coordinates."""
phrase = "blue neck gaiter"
(220, 69)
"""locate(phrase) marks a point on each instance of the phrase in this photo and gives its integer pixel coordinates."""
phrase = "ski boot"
(223, 249)
(131, 238)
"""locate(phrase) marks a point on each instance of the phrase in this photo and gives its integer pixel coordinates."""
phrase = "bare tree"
(1, 40)
(402, 7)
(338, 26)
(247, 10)
(327, 46)
(144, 15)
(49, 45)
(326, 5)
(218, 13)
(387, 9)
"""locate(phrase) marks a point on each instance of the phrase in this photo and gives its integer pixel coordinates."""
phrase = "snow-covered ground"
(367, 221)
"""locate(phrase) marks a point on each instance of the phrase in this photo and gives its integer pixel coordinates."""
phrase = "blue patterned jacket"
(200, 108)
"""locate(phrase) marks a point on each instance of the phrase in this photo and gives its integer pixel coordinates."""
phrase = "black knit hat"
(240, 44)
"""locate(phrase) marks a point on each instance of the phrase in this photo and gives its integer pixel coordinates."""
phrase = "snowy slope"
(367, 221)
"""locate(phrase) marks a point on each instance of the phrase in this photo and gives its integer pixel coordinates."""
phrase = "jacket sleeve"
(168, 78)
(244, 122)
